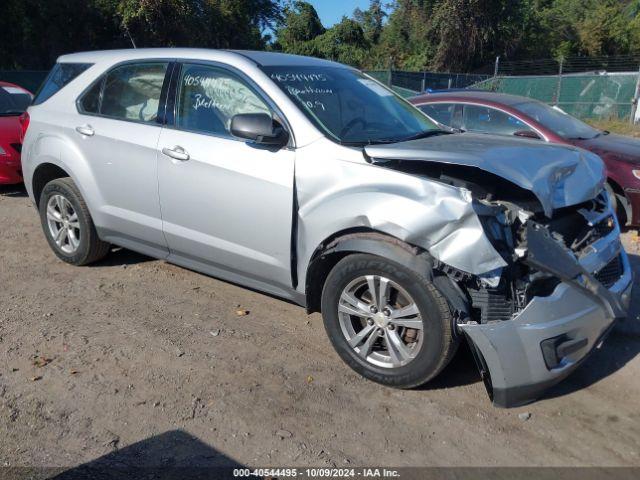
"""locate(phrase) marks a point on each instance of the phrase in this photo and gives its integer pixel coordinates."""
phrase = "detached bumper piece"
(543, 343)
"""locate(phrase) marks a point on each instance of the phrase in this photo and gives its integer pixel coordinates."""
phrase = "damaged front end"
(567, 281)
(565, 277)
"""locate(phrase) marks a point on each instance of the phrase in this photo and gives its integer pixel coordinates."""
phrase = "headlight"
(636, 173)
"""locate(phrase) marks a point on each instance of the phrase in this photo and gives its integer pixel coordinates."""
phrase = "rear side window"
(129, 92)
(58, 78)
(90, 101)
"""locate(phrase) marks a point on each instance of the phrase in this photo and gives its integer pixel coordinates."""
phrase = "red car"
(14, 101)
(502, 114)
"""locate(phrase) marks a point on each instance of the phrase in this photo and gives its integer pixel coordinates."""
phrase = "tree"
(371, 21)
(579, 27)
(40, 31)
(344, 42)
(301, 25)
(404, 41)
(161, 23)
(469, 33)
(302, 33)
(202, 23)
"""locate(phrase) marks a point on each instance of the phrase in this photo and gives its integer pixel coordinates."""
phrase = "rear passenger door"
(117, 131)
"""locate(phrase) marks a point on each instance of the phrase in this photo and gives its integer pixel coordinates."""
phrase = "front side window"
(209, 97)
(61, 75)
(489, 120)
(556, 120)
(440, 112)
(350, 107)
(129, 92)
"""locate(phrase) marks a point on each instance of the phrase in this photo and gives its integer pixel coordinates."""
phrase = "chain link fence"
(606, 96)
(604, 88)
(409, 84)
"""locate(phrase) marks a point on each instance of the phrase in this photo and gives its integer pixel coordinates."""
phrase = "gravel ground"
(137, 361)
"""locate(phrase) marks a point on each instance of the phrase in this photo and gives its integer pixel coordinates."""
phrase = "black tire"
(616, 205)
(90, 248)
(439, 342)
(613, 197)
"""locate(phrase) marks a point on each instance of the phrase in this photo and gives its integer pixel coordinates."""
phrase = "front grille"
(610, 273)
(493, 304)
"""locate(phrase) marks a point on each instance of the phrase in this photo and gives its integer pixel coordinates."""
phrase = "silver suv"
(311, 181)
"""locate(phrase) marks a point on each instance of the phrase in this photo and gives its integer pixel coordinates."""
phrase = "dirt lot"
(149, 363)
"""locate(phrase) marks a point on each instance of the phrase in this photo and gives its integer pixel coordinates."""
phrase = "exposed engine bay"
(511, 216)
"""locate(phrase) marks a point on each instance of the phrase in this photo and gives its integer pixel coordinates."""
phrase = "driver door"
(226, 203)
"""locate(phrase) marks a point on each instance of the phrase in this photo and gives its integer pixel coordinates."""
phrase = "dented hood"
(557, 175)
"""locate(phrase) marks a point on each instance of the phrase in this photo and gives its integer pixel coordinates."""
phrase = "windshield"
(349, 106)
(563, 124)
(13, 100)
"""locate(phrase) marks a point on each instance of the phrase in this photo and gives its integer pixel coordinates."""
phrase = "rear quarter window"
(61, 75)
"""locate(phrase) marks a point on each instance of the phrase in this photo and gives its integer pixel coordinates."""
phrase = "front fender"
(336, 194)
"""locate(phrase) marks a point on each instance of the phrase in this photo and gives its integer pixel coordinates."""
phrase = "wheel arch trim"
(336, 247)
(67, 158)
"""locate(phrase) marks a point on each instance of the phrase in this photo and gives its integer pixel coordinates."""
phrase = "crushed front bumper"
(521, 357)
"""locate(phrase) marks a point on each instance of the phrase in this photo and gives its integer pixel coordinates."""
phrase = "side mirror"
(259, 128)
(527, 134)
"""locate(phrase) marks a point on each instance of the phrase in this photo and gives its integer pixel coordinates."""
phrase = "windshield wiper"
(425, 134)
(417, 136)
(385, 141)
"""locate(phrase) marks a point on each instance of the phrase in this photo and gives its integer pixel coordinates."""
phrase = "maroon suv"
(501, 114)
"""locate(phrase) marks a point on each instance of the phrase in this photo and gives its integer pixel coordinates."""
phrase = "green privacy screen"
(606, 96)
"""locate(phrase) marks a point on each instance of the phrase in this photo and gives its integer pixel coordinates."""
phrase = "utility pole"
(496, 67)
(559, 87)
(634, 101)
(130, 37)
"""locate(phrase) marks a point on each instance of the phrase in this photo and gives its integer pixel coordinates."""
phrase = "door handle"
(176, 152)
(86, 130)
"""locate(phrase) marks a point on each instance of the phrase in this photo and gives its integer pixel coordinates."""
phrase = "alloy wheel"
(63, 223)
(380, 321)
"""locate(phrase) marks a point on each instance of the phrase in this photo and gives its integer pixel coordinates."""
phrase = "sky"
(331, 11)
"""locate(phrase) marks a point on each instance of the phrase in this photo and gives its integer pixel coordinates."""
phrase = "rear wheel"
(67, 224)
(387, 322)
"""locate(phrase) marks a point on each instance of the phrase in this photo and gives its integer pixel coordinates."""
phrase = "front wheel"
(386, 322)
(67, 224)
